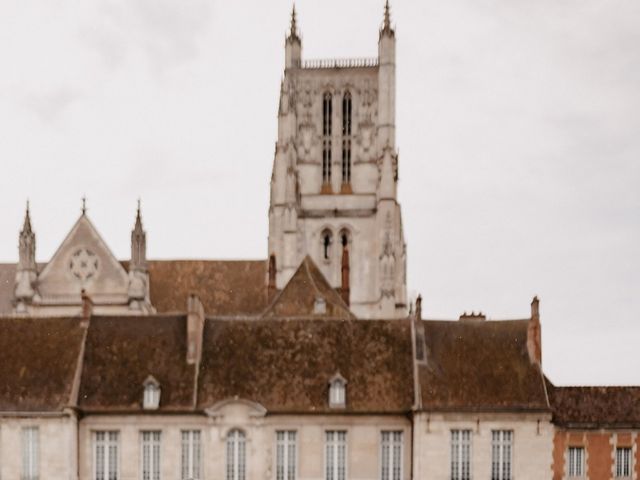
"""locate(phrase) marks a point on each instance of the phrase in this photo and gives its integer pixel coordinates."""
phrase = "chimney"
(271, 285)
(534, 334)
(419, 307)
(345, 289)
(473, 317)
(195, 329)
(87, 305)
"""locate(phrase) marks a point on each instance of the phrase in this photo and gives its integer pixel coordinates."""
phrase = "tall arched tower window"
(327, 240)
(346, 138)
(236, 455)
(326, 138)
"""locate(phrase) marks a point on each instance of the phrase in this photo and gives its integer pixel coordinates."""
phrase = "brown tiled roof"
(224, 287)
(298, 297)
(7, 283)
(595, 407)
(121, 352)
(38, 361)
(285, 365)
(479, 366)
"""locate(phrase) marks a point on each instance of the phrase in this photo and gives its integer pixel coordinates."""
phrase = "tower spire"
(26, 227)
(293, 32)
(386, 24)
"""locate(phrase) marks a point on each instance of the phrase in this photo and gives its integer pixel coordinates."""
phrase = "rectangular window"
(150, 455)
(336, 455)
(501, 451)
(623, 462)
(191, 455)
(391, 456)
(30, 447)
(576, 461)
(105, 455)
(460, 454)
(286, 455)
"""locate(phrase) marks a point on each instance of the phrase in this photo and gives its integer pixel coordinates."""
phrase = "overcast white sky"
(518, 128)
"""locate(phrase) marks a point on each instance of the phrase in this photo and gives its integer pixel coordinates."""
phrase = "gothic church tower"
(335, 174)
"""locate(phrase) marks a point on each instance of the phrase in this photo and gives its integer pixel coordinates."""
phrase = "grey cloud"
(50, 105)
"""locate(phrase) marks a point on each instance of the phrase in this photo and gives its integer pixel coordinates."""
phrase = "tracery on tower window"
(346, 140)
(326, 139)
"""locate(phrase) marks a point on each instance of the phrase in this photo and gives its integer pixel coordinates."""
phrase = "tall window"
(391, 452)
(501, 448)
(105, 456)
(191, 455)
(346, 138)
(151, 455)
(285, 455)
(460, 454)
(30, 447)
(335, 455)
(327, 240)
(623, 462)
(326, 138)
(236, 455)
(576, 461)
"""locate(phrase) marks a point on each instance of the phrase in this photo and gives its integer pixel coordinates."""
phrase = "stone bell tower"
(335, 175)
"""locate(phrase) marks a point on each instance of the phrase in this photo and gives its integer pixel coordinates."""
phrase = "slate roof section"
(299, 295)
(38, 362)
(225, 287)
(480, 366)
(121, 352)
(286, 365)
(595, 407)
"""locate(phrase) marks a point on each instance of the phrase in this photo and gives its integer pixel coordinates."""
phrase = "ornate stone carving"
(84, 264)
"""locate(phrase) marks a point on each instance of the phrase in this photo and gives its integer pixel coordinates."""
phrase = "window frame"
(153, 441)
(192, 458)
(391, 445)
(335, 444)
(570, 464)
(107, 442)
(240, 439)
(286, 459)
(30, 439)
(500, 442)
(629, 464)
(459, 461)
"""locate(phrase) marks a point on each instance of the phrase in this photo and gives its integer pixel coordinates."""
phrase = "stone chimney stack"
(534, 334)
(271, 285)
(87, 306)
(195, 329)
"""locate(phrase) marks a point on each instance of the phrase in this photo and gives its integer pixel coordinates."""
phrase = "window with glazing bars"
(623, 462)
(236, 455)
(30, 447)
(346, 138)
(285, 455)
(105, 455)
(501, 451)
(335, 455)
(150, 455)
(460, 454)
(391, 456)
(326, 137)
(576, 462)
(191, 460)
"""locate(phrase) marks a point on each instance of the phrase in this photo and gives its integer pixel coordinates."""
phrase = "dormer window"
(151, 396)
(337, 391)
(320, 306)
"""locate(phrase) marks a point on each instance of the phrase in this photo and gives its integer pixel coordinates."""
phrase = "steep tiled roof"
(38, 362)
(121, 352)
(285, 365)
(224, 287)
(479, 366)
(306, 286)
(595, 407)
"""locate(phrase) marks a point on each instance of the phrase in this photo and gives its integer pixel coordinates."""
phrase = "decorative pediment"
(236, 407)
(83, 262)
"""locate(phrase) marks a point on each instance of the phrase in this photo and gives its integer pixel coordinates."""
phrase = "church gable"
(83, 261)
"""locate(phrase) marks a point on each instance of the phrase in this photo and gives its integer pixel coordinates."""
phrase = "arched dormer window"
(327, 112)
(337, 391)
(346, 141)
(327, 241)
(151, 395)
(236, 455)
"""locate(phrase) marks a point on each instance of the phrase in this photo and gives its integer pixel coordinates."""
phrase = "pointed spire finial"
(26, 227)
(84, 204)
(138, 225)
(293, 32)
(386, 25)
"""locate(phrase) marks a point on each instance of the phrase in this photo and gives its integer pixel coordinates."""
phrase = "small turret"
(26, 270)
(138, 270)
(293, 44)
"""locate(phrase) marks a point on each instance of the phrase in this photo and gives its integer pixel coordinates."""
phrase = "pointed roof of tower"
(26, 227)
(138, 226)
(386, 24)
(293, 31)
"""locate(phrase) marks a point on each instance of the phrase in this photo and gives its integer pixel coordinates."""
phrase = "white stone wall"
(363, 442)
(532, 444)
(56, 446)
